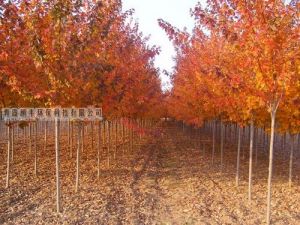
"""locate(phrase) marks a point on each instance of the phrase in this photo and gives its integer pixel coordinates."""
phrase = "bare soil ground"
(167, 179)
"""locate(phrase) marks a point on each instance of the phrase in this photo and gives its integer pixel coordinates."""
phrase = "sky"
(176, 12)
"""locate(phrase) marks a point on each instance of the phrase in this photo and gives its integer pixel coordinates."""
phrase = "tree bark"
(291, 160)
(99, 148)
(69, 135)
(79, 140)
(250, 159)
(273, 116)
(45, 138)
(92, 134)
(82, 136)
(222, 146)
(237, 179)
(131, 135)
(123, 137)
(57, 158)
(30, 138)
(256, 145)
(35, 148)
(12, 142)
(9, 133)
(71, 139)
(116, 139)
(214, 140)
(108, 143)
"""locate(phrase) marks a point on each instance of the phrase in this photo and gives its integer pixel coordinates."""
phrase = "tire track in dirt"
(205, 194)
(17, 199)
(145, 183)
(115, 206)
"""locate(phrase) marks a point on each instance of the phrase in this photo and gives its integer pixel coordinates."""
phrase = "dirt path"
(167, 179)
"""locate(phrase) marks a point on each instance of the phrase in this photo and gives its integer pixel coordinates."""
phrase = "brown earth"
(167, 179)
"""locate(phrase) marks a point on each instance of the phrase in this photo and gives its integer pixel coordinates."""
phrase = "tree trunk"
(71, 139)
(222, 146)
(214, 140)
(123, 137)
(108, 143)
(256, 145)
(238, 157)
(273, 116)
(69, 135)
(104, 144)
(243, 140)
(45, 138)
(99, 148)
(79, 141)
(12, 142)
(57, 158)
(92, 134)
(116, 139)
(35, 148)
(9, 133)
(250, 159)
(291, 161)
(24, 136)
(131, 136)
(82, 136)
(30, 139)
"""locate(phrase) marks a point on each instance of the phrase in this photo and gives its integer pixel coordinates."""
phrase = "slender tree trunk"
(12, 142)
(71, 139)
(18, 131)
(250, 159)
(46, 133)
(222, 146)
(123, 137)
(291, 160)
(273, 116)
(284, 141)
(131, 136)
(104, 144)
(237, 179)
(99, 148)
(256, 145)
(213, 143)
(57, 157)
(108, 144)
(83, 134)
(92, 134)
(35, 148)
(24, 136)
(30, 138)
(243, 140)
(69, 135)
(116, 139)
(9, 133)
(80, 137)
(264, 139)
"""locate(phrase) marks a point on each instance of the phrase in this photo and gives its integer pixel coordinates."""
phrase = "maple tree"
(241, 61)
(77, 53)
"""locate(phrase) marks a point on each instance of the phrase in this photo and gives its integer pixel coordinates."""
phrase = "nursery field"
(166, 178)
(108, 120)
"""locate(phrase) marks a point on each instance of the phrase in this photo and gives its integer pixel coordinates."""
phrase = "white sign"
(46, 114)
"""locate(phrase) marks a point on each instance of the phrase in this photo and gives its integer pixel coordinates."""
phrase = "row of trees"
(240, 64)
(76, 53)
(74, 140)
